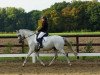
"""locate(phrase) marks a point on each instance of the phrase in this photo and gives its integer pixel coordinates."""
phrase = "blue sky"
(29, 5)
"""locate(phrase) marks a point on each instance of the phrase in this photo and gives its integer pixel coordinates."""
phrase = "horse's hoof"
(44, 65)
(23, 65)
(70, 64)
(49, 65)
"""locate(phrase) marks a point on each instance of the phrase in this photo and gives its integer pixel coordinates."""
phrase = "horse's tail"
(69, 45)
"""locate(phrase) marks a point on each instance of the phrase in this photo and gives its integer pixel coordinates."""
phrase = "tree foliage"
(62, 16)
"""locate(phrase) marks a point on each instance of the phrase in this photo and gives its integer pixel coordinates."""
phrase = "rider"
(42, 30)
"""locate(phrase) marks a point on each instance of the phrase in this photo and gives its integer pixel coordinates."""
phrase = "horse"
(54, 42)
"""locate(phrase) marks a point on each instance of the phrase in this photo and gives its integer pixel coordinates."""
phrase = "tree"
(93, 10)
(15, 19)
(62, 16)
(34, 16)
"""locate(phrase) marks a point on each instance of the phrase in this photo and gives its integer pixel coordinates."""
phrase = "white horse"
(50, 42)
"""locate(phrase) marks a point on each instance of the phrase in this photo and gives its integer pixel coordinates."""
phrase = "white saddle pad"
(45, 39)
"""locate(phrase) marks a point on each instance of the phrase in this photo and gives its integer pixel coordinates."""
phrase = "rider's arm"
(39, 25)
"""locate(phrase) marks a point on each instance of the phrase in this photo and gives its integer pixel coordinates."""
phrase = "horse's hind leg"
(56, 55)
(70, 47)
(63, 52)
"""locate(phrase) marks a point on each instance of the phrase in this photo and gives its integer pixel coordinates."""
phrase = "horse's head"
(20, 35)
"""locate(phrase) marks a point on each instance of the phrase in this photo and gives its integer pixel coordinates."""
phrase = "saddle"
(39, 40)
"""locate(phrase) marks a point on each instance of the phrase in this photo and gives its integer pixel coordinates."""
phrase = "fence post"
(77, 45)
(33, 58)
(23, 49)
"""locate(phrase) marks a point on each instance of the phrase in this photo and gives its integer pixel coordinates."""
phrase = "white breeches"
(41, 34)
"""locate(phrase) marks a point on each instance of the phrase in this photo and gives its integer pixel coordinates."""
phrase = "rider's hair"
(44, 17)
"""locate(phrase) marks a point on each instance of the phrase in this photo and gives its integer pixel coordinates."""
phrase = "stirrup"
(38, 47)
(41, 46)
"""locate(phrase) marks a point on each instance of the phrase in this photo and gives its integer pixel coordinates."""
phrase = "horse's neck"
(27, 34)
(30, 36)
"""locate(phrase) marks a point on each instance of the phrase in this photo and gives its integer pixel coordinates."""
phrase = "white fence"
(78, 44)
(34, 58)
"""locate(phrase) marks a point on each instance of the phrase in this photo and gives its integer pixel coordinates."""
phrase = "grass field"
(63, 33)
(49, 58)
(7, 34)
(76, 33)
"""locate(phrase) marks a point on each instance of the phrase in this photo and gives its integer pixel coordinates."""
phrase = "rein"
(29, 35)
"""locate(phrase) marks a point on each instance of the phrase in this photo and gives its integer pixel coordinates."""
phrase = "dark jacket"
(43, 27)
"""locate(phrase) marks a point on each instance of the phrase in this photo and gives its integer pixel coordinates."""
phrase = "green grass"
(44, 58)
(76, 33)
(47, 58)
(63, 58)
(10, 59)
(8, 34)
(63, 33)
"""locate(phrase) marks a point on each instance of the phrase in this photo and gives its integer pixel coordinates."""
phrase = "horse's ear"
(17, 31)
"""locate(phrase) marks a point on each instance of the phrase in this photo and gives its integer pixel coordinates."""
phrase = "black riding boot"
(40, 42)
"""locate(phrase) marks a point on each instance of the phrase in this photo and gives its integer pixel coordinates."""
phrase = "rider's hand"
(36, 31)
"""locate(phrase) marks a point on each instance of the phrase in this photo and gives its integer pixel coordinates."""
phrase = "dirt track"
(58, 68)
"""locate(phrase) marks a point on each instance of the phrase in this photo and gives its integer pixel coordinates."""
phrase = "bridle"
(29, 35)
(23, 38)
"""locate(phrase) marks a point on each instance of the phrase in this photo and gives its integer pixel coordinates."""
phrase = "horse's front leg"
(37, 55)
(29, 53)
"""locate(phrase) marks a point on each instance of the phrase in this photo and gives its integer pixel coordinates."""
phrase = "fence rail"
(77, 44)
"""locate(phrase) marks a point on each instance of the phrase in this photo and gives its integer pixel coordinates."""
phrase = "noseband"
(21, 38)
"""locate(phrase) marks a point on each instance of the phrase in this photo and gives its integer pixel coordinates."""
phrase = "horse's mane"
(27, 30)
